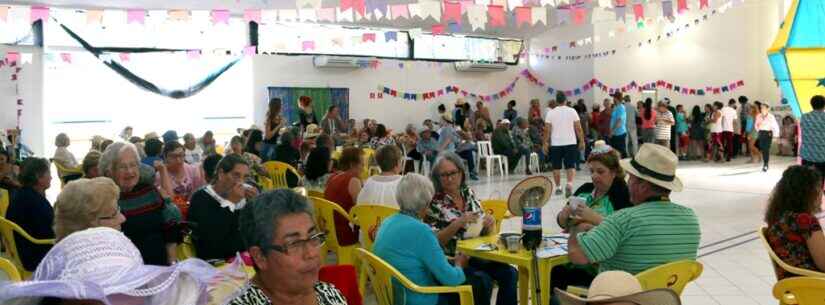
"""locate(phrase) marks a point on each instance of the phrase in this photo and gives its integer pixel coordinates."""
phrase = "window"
(156, 32)
(17, 30)
(446, 47)
(310, 38)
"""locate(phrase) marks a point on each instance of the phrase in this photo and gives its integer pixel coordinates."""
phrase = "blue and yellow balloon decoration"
(797, 56)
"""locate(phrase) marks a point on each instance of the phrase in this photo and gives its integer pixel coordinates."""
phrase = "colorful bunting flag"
(454, 27)
(92, 16)
(399, 11)
(135, 15)
(66, 57)
(368, 37)
(639, 11)
(452, 12)
(252, 16)
(326, 14)
(124, 57)
(39, 13)
(703, 4)
(539, 15)
(477, 16)
(496, 14)
(437, 29)
(667, 8)
(621, 13)
(681, 6)
(390, 36)
(578, 15)
(308, 45)
(313, 4)
(356, 5)
(220, 16)
(523, 15)
(430, 9)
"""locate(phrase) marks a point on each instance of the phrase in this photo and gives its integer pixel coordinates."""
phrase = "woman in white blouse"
(65, 158)
(768, 128)
(380, 189)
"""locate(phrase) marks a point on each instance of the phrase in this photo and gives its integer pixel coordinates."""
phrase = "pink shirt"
(647, 124)
(191, 181)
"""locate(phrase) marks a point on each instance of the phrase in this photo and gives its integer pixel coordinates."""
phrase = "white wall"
(727, 47)
(396, 113)
(30, 84)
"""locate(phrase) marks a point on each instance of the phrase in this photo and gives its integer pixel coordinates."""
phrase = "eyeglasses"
(117, 213)
(449, 175)
(175, 156)
(300, 246)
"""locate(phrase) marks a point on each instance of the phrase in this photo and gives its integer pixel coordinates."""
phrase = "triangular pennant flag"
(344, 15)
(252, 16)
(454, 27)
(477, 16)
(621, 13)
(513, 4)
(250, 50)
(124, 57)
(399, 11)
(437, 29)
(367, 37)
(452, 12)
(220, 16)
(415, 11)
(523, 16)
(26, 58)
(703, 4)
(356, 5)
(193, 54)
(136, 16)
(578, 15)
(390, 36)
(39, 13)
(639, 11)
(496, 14)
(313, 4)
(326, 14)
(539, 15)
(681, 6)
(379, 5)
(12, 57)
(92, 16)
(430, 9)
(308, 45)
(66, 57)
(667, 8)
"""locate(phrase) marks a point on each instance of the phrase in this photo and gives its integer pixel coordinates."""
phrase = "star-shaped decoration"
(821, 82)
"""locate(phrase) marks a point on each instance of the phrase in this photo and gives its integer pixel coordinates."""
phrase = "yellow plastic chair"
(368, 157)
(382, 275)
(4, 202)
(800, 290)
(265, 183)
(8, 272)
(186, 249)
(63, 171)
(675, 275)
(277, 173)
(778, 264)
(497, 208)
(7, 231)
(219, 149)
(315, 194)
(369, 217)
(324, 219)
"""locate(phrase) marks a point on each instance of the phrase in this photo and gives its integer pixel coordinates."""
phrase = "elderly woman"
(285, 245)
(184, 179)
(236, 147)
(87, 203)
(382, 137)
(318, 169)
(343, 188)
(89, 164)
(409, 140)
(452, 210)
(30, 209)
(287, 153)
(64, 157)
(151, 218)
(406, 243)
(607, 193)
(207, 143)
(8, 177)
(100, 266)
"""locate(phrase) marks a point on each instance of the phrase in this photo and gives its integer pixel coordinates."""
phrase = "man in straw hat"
(619, 288)
(653, 232)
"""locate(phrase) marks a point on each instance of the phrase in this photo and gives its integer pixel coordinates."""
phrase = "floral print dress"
(788, 239)
(443, 211)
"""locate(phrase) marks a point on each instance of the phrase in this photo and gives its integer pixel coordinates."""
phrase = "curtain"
(322, 98)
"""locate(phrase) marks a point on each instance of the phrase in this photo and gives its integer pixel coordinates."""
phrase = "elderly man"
(193, 152)
(504, 145)
(654, 232)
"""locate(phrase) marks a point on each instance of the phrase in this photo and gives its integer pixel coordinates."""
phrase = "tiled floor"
(729, 200)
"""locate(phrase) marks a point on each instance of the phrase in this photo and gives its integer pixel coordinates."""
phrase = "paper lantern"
(797, 56)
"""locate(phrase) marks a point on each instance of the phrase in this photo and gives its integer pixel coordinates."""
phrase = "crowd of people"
(136, 199)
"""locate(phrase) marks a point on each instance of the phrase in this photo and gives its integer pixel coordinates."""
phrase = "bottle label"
(531, 219)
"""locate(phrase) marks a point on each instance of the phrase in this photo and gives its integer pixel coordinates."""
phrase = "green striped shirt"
(645, 236)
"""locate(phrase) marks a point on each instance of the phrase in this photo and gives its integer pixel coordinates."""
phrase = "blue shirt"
(619, 115)
(748, 124)
(411, 247)
(681, 123)
(150, 161)
(812, 126)
(448, 132)
(426, 145)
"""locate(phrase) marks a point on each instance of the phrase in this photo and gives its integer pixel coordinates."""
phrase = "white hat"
(312, 131)
(619, 286)
(655, 164)
(505, 121)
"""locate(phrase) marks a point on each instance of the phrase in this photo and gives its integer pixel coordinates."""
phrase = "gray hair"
(410, 128)
(520, 120)
(110, 157)
(435, 173)
(414, 192)
(259, 219)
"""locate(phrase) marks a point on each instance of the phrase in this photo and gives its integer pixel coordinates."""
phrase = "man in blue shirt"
(449, 140)
(812, 126)
(618, 125)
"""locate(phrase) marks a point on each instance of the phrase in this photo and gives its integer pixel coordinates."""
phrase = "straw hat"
(619, 286)
(102, 264)
(533, 188)
(312, 131)
(655, 164)
(600, 147)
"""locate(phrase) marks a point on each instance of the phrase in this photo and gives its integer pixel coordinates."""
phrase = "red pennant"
(523, 15)
(437, 29)
(579, 14)
(681, 6)
(496, 14)
(452, 12)
(357, 5)
(703, 4)
(368, 37)
(639, 11)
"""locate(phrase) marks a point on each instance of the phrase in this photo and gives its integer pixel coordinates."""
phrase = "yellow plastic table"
(523, 259)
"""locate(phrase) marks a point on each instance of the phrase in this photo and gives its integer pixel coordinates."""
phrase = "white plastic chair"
(485, 152)
(535, 164)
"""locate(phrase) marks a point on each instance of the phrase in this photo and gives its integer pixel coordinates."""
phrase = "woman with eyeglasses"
(453, 213)
(284, 243)
(87, 203)
(152, 221)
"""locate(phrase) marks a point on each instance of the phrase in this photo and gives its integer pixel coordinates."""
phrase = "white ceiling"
(238, 6)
